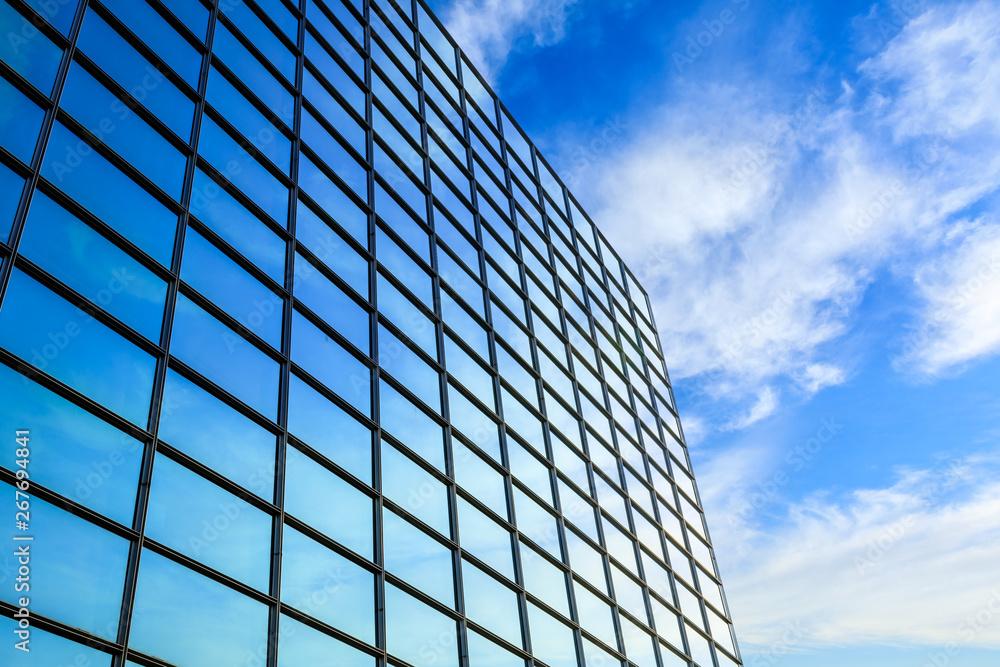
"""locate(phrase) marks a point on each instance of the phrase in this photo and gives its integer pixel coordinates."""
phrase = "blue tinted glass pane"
(253, 74)
(84, 591)
(27, 51)
(412, 371)
(333, 200)
(327, 586)
(414, 489)
(46, 649)
(473, 423)
(402, 267)
(334, 155)
(418, 559)
(234, 223)
(205, 428)
(476, 476)
(329, 430)
(484, 653)
(93, 266)
(222, 629)
(64, 341)
(491, 604)
(154, 30)
(110, 195)
(331, 364)
(330, 249)
(413, 630)
(114, 123)
(216, 276)
(20, 122)
(243, 171)
(73, 453)
(485, 539)
(330, 302)
(535, 523)
(334, 111)
(192, 13)
(266, 41)
(411, 426)
(551, 641)
(407, 317)
(57, 12)
(137, 75)
(245, 117)
(311, 494)
(11, 186)
(298, 644)
(544, 580)
(224, 357)
(197, 518)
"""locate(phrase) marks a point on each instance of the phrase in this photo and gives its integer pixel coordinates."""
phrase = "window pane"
(257, 128)
(544, 580)
(233, 222)
(473, 423)
(407, 317)
(134, 73)
(20, 119)
(551, 641)
(406, 366)
(327, 586)
(197, 518)
(418, 634)
(109, 194)
(222, 629)
(11, 186)
(93, 266)
(417, 558)
(491, 604)
(154, 30)
(327, 503)
(47, 649)
(252, 73)
(333, 200)
(329, 248)
(192, 13)
(485, 539)
(84, 591)
(586, 561)
(216, 351)
(411, 426)
(206, 429)
(484, 653)
(62, 340)
(476, 476)
(328, 361)
(298, 645)
(117, 126)
(27, 51)
(216, 276)
(596, 616)
(416, 490)
(74, 453)
(332, 304)
(329, 430)
(535, 523)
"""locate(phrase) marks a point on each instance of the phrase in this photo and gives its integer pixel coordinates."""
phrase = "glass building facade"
(315, 361)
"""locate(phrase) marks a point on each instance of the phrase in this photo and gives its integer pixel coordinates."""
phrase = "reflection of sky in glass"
(93, 266)
(197, 518)
(421, 561)
(331, 303)
(154, 30)
(544, 580)
(38, 326)
(639, 645)
(535, 523)
(331, 364)
(36, 59)
(595, 615)
(418, 634)
(329, 430)
(208, 430)
(476, 476)
(411, 426)
(300, 645)
(413, 372)
(473, 422)
(221, 629)
(316, 496)
(485, 539)
(248, 120)
(47, 650)
(20, 121)
(84, 591)
(585, 561)
(11, 186)
(484, 653)
(413, 488)
(491, 604)
(327, 586)
(551, 641)
(73, 453)
(317, 236)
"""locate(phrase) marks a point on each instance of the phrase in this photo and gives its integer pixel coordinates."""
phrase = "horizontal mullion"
(257, 54)
(237, 257)
(203, 383)
(333, 92)
(237, 327)
(248, 145)
(320, 265)
(223, 182)
(251, 96)
(272, 26)
(58, 629)
(340, 635)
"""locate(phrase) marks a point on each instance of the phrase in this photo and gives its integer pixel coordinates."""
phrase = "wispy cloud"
(489, 30)
(758, 225)
(909, 563)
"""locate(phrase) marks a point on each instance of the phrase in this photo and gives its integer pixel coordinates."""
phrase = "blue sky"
(809, 192)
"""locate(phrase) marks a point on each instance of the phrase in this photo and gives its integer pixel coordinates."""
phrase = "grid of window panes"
(320, 361)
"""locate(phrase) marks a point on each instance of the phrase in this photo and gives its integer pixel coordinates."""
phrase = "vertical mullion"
(166, 333)
(281, 454)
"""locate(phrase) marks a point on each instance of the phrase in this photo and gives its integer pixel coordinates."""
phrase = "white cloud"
(757, 228)
(765, 405)
(961, 320)
(489, 30)
(904, 564)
